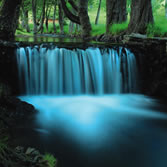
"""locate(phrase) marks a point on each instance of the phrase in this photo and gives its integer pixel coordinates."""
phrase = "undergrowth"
(51, 159)
(158, 29)
(3, 145)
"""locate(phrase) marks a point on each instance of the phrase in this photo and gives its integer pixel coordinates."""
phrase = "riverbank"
(13, 111)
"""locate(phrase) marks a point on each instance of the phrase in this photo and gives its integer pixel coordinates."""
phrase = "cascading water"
(58, 71)
(111, 129)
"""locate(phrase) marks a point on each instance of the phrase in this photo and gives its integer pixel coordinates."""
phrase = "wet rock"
(17, 105)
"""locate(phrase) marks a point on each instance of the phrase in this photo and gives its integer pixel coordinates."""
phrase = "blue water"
(108, 130)
(59, 71)
(83, 118)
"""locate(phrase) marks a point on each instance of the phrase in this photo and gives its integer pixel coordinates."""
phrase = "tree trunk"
(61, 19)
(71, 28)
(34, 10)
(25, 17)
(40, 27)
(166, 8)
(54, 17)
(72, 24)
(48, 9)
(116, 12)
(84, 18)
(68, 13)
(74, 6)
(77, 28)
(98, 13)
(141, 16)
(22, 21)
(9, 15)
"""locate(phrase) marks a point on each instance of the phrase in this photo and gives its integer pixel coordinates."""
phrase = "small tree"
(98, 12)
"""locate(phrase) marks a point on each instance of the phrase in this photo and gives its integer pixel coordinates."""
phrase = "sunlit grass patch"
(98, 29)
(118, 28)
(158, 28)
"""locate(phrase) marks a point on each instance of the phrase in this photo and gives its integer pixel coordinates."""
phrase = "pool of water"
(100, 131)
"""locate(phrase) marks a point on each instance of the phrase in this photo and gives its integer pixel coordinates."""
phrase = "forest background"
(48, 17)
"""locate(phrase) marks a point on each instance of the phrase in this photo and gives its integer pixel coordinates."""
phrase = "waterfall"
(58, 71)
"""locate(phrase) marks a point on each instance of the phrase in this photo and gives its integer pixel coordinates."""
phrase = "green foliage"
(93, 5)
(98, 29)
(128, 6)
(22, 32)
(118, 28)
(27, 4)
(158, 28)
(51, 159)
(157, 5)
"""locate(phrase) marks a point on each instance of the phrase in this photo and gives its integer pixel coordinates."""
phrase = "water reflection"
(46, 38)
(111, 130)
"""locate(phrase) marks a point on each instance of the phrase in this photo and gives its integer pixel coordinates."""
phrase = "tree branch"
(75, 7)
(69, 14)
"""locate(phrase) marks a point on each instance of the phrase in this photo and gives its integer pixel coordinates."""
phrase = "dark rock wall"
(8, 69)
(154, 72)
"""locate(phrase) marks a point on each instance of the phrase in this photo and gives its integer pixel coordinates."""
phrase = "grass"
(51, 159)
(98, 29)
(22, 32)
(50, 29)
(159, 27)
(118, 28)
